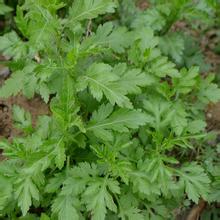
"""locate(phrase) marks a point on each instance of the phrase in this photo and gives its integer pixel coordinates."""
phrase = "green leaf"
(44, 92)
(11, 45)
(4, 9)
(161, 67)
(100, 80)
(55, 182)
(25, 193)
(150, 18)
(13, 85)
(98, 197)
(209, 92)
(157, 173)
(21, 118)
(104, 121)
(44, 217)
(212, 93)
(42, 29)
(65, 108)
(60, 155)
(6, 189)
(186, 83)
(141, 183)
(133, 213)
(215, 186)
(159, 113)
(107, 36)
(52, 5)
(146, 38)
(89, 9)
(196, 126)
(114, 83)
(21, 21)
(18, 82)
(64, 207)
(172, 45)
(132, 79)
(179, 120)
(195, 180)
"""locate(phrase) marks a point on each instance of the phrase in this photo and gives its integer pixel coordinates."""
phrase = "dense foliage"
(126, 137)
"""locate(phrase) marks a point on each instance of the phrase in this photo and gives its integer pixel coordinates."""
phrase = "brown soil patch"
(208, 44)
(5, 120)
(213, 116)
(143, 4)
(35, 106)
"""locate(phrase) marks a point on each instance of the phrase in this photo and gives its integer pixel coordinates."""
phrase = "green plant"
(126, 136)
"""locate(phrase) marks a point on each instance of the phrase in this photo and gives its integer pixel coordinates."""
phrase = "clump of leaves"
(127, 127)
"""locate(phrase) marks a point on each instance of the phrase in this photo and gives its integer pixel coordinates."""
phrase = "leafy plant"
(4, 8)
(126, 124)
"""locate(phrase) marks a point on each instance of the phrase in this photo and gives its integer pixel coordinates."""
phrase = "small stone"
(4, 72)
(5, 109)
(209, 115)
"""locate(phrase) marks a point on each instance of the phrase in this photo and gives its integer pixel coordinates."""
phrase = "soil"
(208, 45)
(35, 106)
(143, 4)
(213, 116)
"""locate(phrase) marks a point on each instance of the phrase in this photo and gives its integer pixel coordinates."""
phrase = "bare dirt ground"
(35, 106)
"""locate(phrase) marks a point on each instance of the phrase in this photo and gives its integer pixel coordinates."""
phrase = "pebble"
(209, 115)
(4, 72)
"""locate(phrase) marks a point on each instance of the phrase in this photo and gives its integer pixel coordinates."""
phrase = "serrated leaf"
(141, 183)
(133, 214)
(5, 191)
(179, 120)
(21, 118)
(17, 82)
(161, 67)
(159, 113)
(146, 38)
(101, 81)
(65, 108)
(64, 207)
(172, 45)
(42, 29)
(11, 45)
(114, 83)
(150, 18)
(25, 193)
(44, 92)
(196, 181)
(13, 85)
(196, 126)
(98, 197)
(132, 79)
(215, 186)
(107, 36)
(187, 81)
(44, 217)
(4, 8)
(21, 21)
(104, 121)
(209, 92)
(60, 155)
(89, 9)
